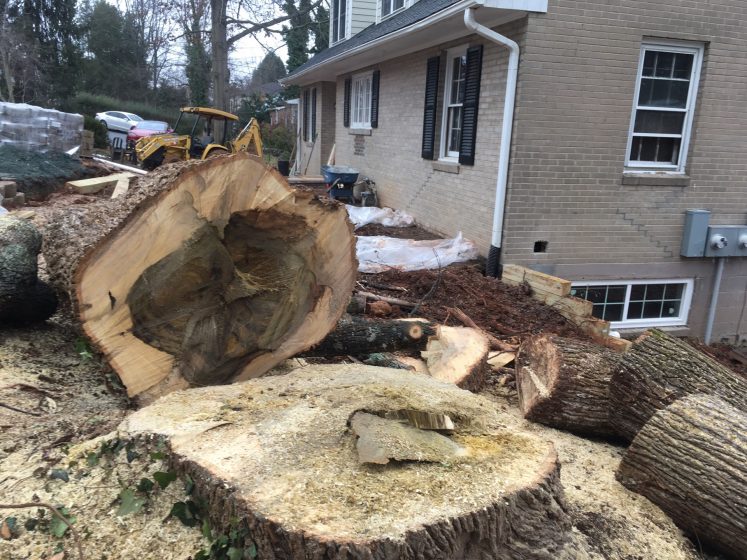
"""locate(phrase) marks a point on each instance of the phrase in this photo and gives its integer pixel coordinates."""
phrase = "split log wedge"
(659, 369)
(458, 355)
(357, 336)
(204, 273)
(564, 383)
(499, 497)
(690, 459)
(24, 299)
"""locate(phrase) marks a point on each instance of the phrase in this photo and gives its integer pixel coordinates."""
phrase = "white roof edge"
(522, 5)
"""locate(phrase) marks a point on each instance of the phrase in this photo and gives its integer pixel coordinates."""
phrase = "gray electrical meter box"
(695, 233)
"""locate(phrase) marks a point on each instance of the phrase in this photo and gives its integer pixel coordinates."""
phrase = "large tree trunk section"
(458, 355)
(659, 369)
(24, 299)
(204, 273)
(564, 383)
(690, 459)
(484, 490)
(357, 336)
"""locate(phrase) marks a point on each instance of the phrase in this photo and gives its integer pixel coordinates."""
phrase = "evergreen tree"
(269, 70)
(297, 35)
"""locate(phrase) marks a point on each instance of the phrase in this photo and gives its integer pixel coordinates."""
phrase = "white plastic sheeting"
(363, 215)
(378, 253)
(35, 128)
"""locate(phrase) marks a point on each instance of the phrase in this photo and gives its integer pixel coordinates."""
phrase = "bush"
(100, 137)
(88, 104)
(277, 141)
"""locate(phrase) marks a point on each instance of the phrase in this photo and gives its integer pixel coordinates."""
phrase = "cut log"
(564, 383)
(458, 355)
(500, 498)
(387, 359)
(495, 344)
(390, 300)
(659, 369)
(24, 299)
(204, 273)
(690, 459)
(358, 336)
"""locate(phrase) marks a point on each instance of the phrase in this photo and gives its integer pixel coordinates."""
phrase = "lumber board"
(96, 184)
(515, 275)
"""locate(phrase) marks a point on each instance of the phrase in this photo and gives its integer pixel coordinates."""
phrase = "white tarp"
(36, 128)
(362, 215)
(378, 253)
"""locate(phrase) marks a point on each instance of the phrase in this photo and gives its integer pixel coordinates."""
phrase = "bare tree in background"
(18, 59)
(156, 30)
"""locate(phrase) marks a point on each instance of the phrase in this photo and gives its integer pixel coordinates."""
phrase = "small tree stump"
(690, 459)
(659, 369)
(279, 454)
(564, 383)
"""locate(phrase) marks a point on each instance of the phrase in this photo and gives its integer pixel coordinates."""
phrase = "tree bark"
(219, 46)
(386, 359)
(690, 459)
(204, 273)
(357, 336)
(24, 299)
(564, 383)
(659, 369)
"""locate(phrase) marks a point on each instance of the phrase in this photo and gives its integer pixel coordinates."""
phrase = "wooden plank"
(515, 274)
(97, 184)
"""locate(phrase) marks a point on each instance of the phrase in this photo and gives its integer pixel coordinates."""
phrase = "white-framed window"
(666, 90)
(388, 7)
(360, 100)
(338, 21)
(638, 303)
(451, 122)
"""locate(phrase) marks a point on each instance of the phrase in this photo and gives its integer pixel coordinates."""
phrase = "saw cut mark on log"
(564, 383)
(220, 273)
(458, 355)
(690, 459)
(467, 321)
(660, 369)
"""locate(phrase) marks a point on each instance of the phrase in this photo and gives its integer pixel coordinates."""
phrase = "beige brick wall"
(441, 201)
(311, 155)
(576, 88)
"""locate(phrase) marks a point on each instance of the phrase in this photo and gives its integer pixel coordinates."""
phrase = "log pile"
(204, 273)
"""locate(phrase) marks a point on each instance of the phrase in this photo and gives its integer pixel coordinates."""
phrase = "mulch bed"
(411, 232)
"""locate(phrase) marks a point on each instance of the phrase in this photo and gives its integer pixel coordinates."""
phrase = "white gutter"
(509, 102)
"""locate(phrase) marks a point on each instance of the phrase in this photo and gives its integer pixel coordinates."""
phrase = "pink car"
(147, 128)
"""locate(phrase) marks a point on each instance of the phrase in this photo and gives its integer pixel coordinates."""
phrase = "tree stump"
(204, 273)
(458, 355)
(564, 383)
(281, 455)
(659, 369)
(24, 299)
(690, 459)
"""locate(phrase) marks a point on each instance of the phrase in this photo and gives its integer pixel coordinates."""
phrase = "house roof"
(418, 11)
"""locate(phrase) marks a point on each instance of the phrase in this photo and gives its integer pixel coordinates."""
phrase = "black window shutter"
(429, 114)
(313, 114)
(375, 99)
(306, 115)
(346, 103)
(472, 74)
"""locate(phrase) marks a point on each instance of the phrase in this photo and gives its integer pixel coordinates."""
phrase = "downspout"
(714, 299)
(494, 267)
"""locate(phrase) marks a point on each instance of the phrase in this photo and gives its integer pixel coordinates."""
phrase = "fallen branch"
(57, 514)
(21, 410)
(383, 286)
(389, 300)
(495, 344)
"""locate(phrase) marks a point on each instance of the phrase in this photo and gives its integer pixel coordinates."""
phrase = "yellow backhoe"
(200, 143)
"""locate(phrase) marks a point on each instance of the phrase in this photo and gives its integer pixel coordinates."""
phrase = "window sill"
(655, 179)
(360, 131)
(446, 166)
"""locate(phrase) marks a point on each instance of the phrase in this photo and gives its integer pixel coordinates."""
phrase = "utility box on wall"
(695, 233)
(726, 241)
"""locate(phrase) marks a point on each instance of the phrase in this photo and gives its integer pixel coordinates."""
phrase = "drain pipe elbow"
(494, 267)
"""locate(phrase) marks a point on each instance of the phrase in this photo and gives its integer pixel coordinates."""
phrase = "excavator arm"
(249, 135)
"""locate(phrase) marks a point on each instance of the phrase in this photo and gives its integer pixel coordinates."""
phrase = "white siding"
(364, 14)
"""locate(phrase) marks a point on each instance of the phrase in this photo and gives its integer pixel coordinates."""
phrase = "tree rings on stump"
(280, 455)
(204, 273)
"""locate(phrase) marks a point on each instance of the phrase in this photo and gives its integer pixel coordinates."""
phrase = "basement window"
(638, 303)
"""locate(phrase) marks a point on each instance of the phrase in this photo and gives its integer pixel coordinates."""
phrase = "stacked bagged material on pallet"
(39, 129)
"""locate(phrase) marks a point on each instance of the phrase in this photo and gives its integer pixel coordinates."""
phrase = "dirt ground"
(56, 394)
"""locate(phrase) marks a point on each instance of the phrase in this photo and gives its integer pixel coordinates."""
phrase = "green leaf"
(92, 459)
(234, 553)
(189, 485)
(206, 532)
(182, 513)
(157, 456)
(129, 502)
(132, 455)
(164, 478)
(251, 551)
(59, 474)
(58, 527)
(31, 524)
(145, 485)
(202, 555)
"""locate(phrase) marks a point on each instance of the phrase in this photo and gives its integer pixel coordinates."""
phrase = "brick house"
(626, 115)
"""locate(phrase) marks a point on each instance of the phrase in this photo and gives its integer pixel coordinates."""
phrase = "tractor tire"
(153, 161)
